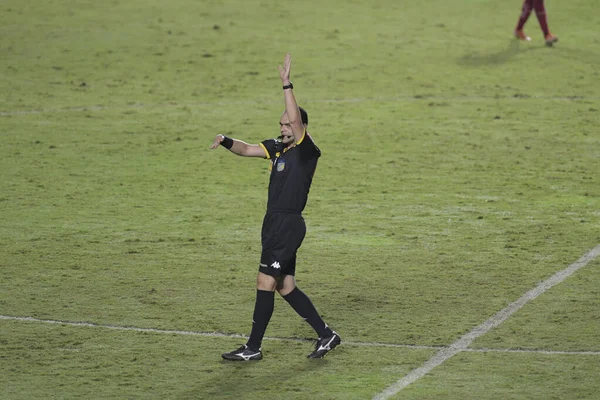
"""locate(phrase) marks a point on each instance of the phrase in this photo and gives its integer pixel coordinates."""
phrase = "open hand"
(284, 72)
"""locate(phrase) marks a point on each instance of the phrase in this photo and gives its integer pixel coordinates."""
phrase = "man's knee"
(286, 285)
(266, 282)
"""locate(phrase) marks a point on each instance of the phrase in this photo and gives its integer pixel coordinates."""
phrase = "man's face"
(287, 136)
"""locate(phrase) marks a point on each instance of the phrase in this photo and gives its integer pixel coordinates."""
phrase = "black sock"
(263, 309)
(305, 308)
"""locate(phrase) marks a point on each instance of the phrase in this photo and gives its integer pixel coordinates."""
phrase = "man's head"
(287, 136)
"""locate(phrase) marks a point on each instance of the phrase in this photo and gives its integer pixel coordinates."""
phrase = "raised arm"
(239, 147)
(291, 107)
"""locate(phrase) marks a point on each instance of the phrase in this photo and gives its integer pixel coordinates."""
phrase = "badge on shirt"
(280, 165)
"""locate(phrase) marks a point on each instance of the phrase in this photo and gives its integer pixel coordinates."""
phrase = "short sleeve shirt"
(292, 171)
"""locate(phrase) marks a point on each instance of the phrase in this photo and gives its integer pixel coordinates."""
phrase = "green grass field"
(460, 170)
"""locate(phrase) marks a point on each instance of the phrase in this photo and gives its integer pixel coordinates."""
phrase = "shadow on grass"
(515, 47)
(481, 59)
(256, 379)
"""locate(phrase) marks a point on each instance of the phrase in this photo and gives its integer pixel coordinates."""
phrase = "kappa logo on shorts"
(276, 265)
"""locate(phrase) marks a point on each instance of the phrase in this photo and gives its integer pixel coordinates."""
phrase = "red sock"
(525, 11)
(540, 13)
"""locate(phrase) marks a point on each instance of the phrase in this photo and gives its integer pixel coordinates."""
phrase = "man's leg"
(301, 303)
(263, 310)
(525, 12)
(540, 13)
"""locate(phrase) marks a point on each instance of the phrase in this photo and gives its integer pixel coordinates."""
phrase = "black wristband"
(290, 86)
(227, 142)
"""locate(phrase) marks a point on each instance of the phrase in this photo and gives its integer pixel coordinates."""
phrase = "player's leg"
(295, 230)
(540, 13)
(292, 234)
(263, 310)
(274, 260)
(525, 12)
(301, 303)
(266, 283)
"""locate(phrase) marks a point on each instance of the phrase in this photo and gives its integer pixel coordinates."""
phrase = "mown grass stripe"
(256, 102)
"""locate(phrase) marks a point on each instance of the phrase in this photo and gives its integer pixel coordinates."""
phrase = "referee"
(294, 159)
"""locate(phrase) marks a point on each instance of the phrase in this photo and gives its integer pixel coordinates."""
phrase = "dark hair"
(303, 115)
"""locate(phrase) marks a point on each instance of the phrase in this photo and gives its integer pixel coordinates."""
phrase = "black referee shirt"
(292, 172)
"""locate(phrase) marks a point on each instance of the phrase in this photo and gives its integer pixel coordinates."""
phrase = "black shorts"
(282, 234)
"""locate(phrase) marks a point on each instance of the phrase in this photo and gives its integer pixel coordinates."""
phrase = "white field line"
(291, 339)
(259, 102)
(465, 341)
(194, 333)
(536, 351)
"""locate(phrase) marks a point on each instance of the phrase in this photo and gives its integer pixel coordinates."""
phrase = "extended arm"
(291, 107)
(239, 147)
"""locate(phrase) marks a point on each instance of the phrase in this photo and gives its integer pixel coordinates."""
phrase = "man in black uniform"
(293, 163)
